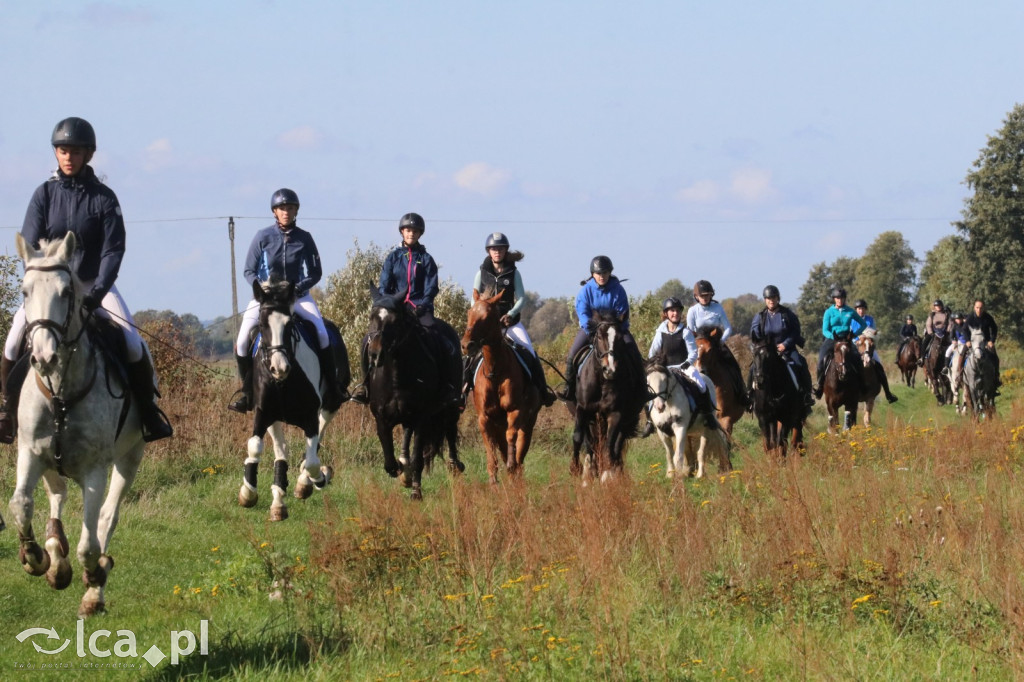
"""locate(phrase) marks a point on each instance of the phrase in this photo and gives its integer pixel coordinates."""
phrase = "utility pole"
(234, 280)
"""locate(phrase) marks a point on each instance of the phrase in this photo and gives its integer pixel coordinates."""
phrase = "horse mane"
(49, 250)
(602, 316)
(707, 331)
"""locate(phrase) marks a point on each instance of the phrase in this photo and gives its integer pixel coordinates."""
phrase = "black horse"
(289, 388)
(778, 401)
(611, 389)
(410, 369)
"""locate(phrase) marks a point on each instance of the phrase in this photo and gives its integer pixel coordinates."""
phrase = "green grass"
(885, 554)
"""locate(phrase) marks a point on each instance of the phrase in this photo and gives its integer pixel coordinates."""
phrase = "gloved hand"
(685, 364)
(90, 302)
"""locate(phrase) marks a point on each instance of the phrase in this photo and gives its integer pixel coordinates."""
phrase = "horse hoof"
(416, 493)
(60, 575)
(325, 480)
(456, 466)
(278, 513)
(405, 480)
(91, 608)
(34, 560)
(247, 497)
(303, 490)
(393, 471)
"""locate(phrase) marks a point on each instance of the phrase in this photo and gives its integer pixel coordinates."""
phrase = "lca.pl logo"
(181, 643)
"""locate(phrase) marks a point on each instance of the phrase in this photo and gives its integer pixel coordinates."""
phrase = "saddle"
(701, 402)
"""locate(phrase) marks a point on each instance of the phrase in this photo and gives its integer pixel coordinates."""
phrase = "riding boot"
(155, 424)
(649, 426)
(361, 393)
(547, 396)
(469, 364)
(803, 378)
(333, 396)
(819, 386)
(8, 406)
(244, 402)
(569, 393)
(884, 381)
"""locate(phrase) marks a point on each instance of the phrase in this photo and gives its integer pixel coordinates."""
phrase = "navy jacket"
(782, 326)
(83, 205)
(411, 270)
(290, 256)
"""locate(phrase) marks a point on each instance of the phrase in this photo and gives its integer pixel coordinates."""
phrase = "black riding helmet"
(73, 132)
(413, 220)
(602, 265)
(837, 292)
(496, 239)
(770, 291)
(938, 303)
(702, 286)
(860, 303)
(284, 196)
(671, 302)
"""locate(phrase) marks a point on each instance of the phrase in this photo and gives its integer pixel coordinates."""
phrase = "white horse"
(76, 420)
(979, 377)
(287, 389)
(686, 446)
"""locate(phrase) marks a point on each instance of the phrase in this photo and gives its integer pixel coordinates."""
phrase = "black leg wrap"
(251, 473)
(281, 474)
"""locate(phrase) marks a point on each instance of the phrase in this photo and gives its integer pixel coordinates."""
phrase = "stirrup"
(156, 425)
(360, 396)
(242, 404)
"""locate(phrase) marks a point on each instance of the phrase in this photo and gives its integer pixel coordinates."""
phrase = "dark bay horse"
(410, 368)
(778, 401)
(611, 389)
(843, 383)
(907, 359)
(711, 357)
(288, 388)
(507, 402)
(934, 363)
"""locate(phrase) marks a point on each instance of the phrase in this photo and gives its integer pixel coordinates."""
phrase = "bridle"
(399, 338)
(59, 330)
(291, 337)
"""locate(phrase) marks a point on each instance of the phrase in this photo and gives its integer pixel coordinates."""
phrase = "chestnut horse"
(507, 402)
(843, 384)
(907, 358)
(711, 358)
(869, 383)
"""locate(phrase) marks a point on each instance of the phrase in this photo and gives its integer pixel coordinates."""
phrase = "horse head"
(278, 331)
(763, 353)
(483, 323)
(841, 353)
(659, 382)
(607, 339)
(977, 342)
(866, 346)
(708, 339)
(390, 322)
(52, 297)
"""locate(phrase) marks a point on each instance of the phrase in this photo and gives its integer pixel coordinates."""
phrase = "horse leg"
(670, 450)
(248, 494)
(869, 406)
(404, 459)
(833, 417)
(678, 466)
(30, 468)
(723, 446)
(96, 565)
(514, 453)
(387, 443)
(455, 464)
(278, 509)
(59, 573)
(416, 465)
(575, 468)
(611, 462)
(493, 444)
(313, 473)
(524, 437)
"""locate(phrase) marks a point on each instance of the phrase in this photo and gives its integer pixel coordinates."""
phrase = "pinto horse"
(778, 401)
(610, 392)
(934, 363)
(76, 420)
(907, 359)
(507, 402)
(869, 383)
(713, 361)
(288, 388)
(843, 384)
(410, 367)
(687, 437)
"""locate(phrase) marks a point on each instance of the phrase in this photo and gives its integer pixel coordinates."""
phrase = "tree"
(943, 276)
(993, 225)
(10, 292)
(675, 287)
(550, 320)
(814, 294)
(886, 279)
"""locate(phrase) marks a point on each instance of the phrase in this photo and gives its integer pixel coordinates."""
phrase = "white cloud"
(752, 185)
(157, 155)
(303, 137)
(482, 178)
(700, 192)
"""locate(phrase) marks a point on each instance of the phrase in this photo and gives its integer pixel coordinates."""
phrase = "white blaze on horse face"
(48, 296)
(277, 324)
(609, 366)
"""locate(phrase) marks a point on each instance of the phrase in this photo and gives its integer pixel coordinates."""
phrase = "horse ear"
(493, 299)
(22, 246)
(714, 332)
(476, 295)
(289, 290)
(257, 290)
(68, 246)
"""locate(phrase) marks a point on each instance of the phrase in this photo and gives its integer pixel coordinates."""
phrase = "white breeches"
(305, 308)
(112, 307)
(695, 376)
(517, 333)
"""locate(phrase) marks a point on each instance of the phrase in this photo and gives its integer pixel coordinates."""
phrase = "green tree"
(886, 279)
(550, 320)
(675, 287)
(993, 225)
(814, 294)
(10, 292)
(944, 276)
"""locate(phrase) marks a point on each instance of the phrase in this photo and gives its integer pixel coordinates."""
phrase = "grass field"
(890, 553)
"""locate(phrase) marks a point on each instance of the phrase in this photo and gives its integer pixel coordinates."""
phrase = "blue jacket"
(609, 297)
(838, 321)
(83, 205)
(291, 256)
(412, 270)
(856, 328)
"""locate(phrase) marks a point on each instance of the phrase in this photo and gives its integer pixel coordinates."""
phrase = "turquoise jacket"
(837, 321)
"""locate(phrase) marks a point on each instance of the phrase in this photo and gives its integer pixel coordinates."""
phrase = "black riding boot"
(803, 378)
(569, 394)
(547, 396)
(8, 406)
(468, 374)
(819, 386)
(333, 396)
(884, 381)
(154, 422)
(361, 394)
(243, 403)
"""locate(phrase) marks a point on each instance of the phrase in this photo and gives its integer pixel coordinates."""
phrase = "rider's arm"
(583, 306)
(655, 343)
(112, 249)
(34, 227)
(726, 327)
(430, 283)
(826, 324)
(792, 331)
(314, 270)
(478, 282)
(252, 259)
(520, 295)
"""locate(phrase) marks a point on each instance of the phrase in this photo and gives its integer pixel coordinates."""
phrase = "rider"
(409, 269)
(981, 319)
(285, 252)
(781, 327)
(960, 337)
(704, 312)
(498, 273)
(75, 200)
(835, 324)
(935, 325)
(856, 328)
(601, 291)
(668, 342)
(907, 332)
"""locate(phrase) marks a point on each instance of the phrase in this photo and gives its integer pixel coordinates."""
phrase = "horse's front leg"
(95, 564)
(279, 488)
(30, 467)
(578, 434)
(405, 458)
(248, 494)
(493, 444)
(386, 436)
(678, 466)
(869, 406)
(451, 435)
(415, 466)
(59, 573)
(314, 474)
(611, 462)
(513, 454)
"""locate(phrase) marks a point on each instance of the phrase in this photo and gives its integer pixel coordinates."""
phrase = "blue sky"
(739, 142)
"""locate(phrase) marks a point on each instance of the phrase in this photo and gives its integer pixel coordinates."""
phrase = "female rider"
(835, 324)
(498, 274)
(708, 312)
(861, 306)
(75, 200)
(780, 327)
(284, 252)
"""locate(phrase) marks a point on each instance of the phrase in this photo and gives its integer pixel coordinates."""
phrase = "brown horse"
(869, 384)
(907, 359)
(715, 360)
(507, 402)
(934, 363)
(843, 384)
